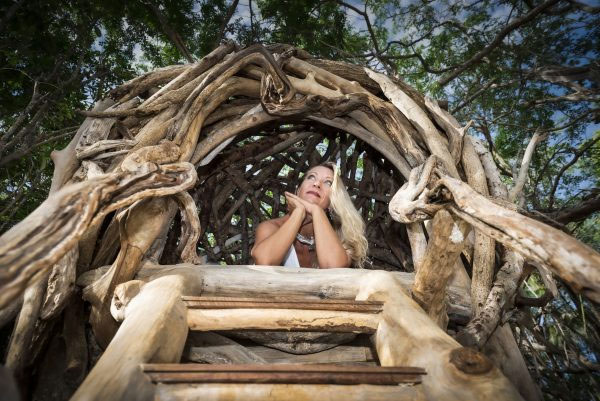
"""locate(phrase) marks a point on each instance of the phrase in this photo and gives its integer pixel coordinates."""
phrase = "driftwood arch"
(161, 143)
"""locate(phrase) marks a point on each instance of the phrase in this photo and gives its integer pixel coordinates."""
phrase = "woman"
(305, 236)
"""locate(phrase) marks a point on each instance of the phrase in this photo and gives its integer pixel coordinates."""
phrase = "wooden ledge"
(282, 374)
(342, 305)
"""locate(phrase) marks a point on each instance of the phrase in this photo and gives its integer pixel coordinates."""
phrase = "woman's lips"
(313, 193)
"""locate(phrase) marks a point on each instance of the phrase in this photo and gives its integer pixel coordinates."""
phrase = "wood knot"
(470, 361)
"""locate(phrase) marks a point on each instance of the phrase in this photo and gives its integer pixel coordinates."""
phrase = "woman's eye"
(328, 183)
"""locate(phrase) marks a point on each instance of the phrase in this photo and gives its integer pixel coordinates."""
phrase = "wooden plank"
(283, 303)
(286, 392)
(282, 319)
(339, 354)
(290, 374)
(291, 299)
(283, 282)
(283, 378)
(292, 367)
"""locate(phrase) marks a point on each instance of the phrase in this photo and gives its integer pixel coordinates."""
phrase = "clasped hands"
(294, 202)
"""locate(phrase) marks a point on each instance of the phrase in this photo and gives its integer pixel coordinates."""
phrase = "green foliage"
(321, 28)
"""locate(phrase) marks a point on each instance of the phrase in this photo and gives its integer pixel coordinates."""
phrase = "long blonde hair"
(346, 219)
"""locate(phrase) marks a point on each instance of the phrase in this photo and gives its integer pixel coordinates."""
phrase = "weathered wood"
(139, 227)
(65, 161)
(18, 355)
(155, 330)
(62, 219)
(500, 298)
(573, 261)
(281, 319)
(443, 249)
(294, 342)
(285, 374)
(61, 285)
(94, 139)
(503, 350)
(407, 336)
(208, 347)
(73, 333)
(287, 392)
(190, 228)
(343, 305)
(483, 246)
(437, 144)
(251, 281)
(8, 313)
(339, 354)
(524, 170)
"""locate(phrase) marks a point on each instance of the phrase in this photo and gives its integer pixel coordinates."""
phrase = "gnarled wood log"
(444, 247)
(62, 219)
(575, 262)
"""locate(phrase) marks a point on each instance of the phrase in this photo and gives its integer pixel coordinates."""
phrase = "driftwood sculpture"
(176, 167)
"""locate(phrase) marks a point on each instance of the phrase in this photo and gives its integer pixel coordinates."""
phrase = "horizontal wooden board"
(285, 392)
(339, 354)
(283, 303)
(289, 373)
(282, 319)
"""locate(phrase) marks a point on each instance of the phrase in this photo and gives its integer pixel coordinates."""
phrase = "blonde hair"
(346, 219)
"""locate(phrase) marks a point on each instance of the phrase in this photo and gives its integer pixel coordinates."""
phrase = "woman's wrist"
(298, 212)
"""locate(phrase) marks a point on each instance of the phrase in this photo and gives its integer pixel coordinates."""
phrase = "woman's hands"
(295, 202)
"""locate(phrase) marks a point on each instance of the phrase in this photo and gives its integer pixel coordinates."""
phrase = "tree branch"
(522, 176)
(497, 41)
(228, 16)
(581, 211)
(578, 153)
(170, 32)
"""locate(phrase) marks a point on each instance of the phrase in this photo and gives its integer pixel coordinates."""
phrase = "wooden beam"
(339, 354)
(342, 305)
(286, 392)
(282, 319)
(284, 374)
(154, 329)
(407, 336)
(443, 249)
(256, 281)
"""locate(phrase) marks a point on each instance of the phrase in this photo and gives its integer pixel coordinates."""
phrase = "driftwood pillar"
(407, 336)
(154, 330)
(444, 247)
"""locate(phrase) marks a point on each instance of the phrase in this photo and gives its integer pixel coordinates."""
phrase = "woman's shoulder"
(276, 222)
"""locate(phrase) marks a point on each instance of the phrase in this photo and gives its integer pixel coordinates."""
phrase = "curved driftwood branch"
(29, 249)
(573, 261)
(190, 228)
(410, 204)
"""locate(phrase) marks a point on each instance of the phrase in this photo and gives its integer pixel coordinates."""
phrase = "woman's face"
(316, 187)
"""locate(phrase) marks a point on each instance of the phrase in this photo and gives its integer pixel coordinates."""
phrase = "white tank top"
(291, 258)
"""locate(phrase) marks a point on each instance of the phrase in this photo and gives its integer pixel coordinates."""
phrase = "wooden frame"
(405, 334)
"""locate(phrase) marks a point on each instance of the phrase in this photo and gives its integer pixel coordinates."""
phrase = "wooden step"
(290, 313)
(347, 305)
(282, 374)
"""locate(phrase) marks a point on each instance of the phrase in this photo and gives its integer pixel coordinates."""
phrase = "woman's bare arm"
(330, 251)
(272, 242)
